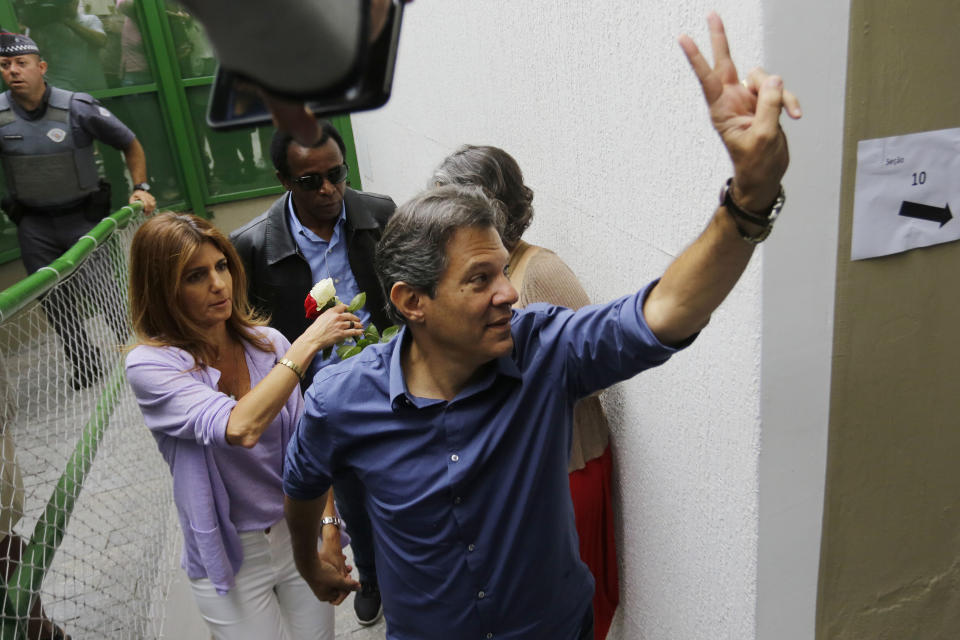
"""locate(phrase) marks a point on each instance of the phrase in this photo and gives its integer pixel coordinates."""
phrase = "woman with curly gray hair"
(539, 275)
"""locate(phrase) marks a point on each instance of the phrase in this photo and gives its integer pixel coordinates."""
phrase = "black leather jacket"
(278, 276)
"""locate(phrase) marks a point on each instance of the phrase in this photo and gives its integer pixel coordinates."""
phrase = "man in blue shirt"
(460, 428)
(320, 229)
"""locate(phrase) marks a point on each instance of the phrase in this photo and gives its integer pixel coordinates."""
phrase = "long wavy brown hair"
(159, 253)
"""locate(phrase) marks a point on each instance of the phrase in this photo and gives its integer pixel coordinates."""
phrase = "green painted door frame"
(156, 30)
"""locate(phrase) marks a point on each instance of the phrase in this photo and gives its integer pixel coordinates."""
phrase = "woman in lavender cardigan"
(220, 392)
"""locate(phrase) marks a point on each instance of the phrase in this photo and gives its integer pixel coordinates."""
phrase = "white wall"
(808, 45)
(598, 105)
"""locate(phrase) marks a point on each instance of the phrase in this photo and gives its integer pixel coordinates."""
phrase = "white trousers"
(270, 601)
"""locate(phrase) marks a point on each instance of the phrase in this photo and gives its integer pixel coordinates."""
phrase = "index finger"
(699, 64)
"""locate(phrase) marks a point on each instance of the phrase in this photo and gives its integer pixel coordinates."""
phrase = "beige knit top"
(544, 277)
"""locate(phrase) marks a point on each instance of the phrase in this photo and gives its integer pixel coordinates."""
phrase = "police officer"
(54, 193)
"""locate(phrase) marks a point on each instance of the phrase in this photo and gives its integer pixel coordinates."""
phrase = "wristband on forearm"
(293, 366)
(738, 213)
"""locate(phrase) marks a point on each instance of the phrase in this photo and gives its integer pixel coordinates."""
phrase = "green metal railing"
(16, 297)
(49, 531)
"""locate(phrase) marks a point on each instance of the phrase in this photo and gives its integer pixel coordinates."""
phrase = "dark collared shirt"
(33, 114)
(469, 499)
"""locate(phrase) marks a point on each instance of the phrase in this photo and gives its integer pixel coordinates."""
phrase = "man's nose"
(506, 293)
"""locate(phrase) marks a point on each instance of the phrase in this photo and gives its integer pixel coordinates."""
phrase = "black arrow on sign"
(926, 212)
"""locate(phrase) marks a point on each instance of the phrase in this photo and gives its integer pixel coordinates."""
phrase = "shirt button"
(455, 458)
(456, 500)
(482, 595)
(336, 280)
(470, 547)
(489, 635)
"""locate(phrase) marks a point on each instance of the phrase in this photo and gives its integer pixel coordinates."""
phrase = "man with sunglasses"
(320, 229)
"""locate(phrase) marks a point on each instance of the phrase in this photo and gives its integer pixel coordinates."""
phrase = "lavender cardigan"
(188, 417)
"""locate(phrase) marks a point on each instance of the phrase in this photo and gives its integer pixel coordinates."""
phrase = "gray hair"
(413, 248)
(496, 171)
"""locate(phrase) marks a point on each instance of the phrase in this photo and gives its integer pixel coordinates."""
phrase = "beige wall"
(228, 217)
(890, 561)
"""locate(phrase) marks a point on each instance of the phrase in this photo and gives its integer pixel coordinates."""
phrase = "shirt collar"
(297, 228)
(36, 114)
(262, 361)
(399, 397)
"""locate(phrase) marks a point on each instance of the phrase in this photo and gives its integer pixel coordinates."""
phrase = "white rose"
(323, 292)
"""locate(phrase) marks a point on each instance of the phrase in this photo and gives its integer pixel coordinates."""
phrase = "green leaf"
(352, 351)
(358, 301)
(372, 333)
(327, 352)
(363, 343)
(388, 333)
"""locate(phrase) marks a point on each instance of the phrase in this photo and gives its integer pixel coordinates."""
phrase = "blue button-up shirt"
(469, 499)
(327, 259)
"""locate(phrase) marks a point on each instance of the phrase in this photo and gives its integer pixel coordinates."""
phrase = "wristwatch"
(764, 220)
(142, 186)
(330, 520)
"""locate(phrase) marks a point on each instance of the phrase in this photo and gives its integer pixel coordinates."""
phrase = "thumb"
(348, 583)
(769, 103)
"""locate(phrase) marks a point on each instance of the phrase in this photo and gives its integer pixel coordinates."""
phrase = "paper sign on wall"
(907, 193)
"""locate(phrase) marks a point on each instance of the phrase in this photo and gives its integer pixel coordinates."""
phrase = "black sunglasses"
(314, 181)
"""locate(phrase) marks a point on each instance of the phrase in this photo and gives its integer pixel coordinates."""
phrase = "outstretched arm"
(255, 411)
(747, 117)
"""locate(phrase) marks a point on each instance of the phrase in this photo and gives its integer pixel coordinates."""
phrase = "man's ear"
(287, 183)
(408, 301)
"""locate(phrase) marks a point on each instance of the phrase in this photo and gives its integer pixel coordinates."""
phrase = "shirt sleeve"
(595, 346)
(307, 470)
(98, 122)
(173, 401)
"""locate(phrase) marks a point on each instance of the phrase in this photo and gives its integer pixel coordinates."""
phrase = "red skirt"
(591, 491)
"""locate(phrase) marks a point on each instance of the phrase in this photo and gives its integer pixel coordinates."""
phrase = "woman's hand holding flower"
(333, 326)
